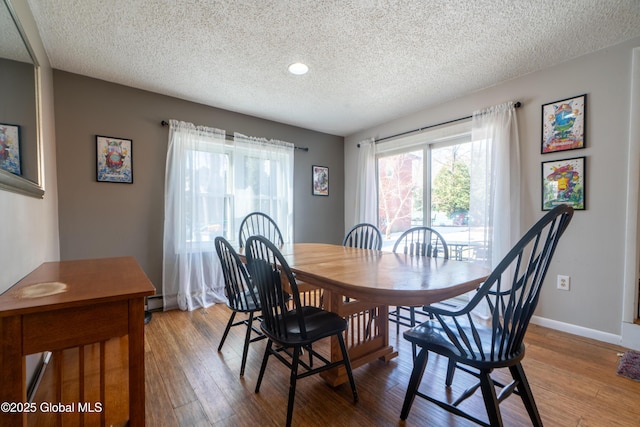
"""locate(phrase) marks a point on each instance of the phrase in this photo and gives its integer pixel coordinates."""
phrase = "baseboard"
(578, 330)
(154, 303)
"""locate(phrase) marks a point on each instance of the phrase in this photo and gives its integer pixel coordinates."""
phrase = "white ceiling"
(370, 60)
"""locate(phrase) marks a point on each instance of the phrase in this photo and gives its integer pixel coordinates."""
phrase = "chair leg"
(292, 384)
(517, 372)
(397, 320)
(419, 364)
(490, 399)
(247, 340)
(412, 322)
(367, 329)
(451, 369)
(226, 330)
(267, 353)
(347, 365)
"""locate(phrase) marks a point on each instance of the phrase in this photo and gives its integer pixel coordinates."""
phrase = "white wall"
(29, 231)
(592, 251)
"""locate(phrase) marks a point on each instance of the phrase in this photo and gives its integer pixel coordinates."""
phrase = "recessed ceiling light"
(298, 68)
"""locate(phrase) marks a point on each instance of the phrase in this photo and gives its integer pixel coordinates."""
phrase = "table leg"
(12, 371)
(136, 362)
(366, 341)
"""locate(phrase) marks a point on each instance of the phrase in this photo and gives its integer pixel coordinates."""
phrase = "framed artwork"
(10, 148)
(320, 181)
(563, 181)
(114, 161)
(564, 124)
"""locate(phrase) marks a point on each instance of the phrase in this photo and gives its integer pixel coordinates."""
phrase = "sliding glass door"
(426, 181)
(400, 194)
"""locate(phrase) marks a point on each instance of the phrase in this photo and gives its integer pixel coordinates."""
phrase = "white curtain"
(211, 184)
(366, 201)
(495, 180)
(192, 276)
(263, 180)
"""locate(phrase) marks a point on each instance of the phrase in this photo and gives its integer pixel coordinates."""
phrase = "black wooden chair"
(417, 241)
(478, 347)
(291, 330)
(364, 236)
(259, 224)
(242, 297)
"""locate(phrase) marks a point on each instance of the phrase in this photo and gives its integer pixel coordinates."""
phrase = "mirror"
(20, 140)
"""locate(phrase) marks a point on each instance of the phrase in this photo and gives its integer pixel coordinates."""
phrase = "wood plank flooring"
(189, 383)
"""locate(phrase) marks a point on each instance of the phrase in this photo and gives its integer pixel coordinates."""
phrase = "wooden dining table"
(360, 285)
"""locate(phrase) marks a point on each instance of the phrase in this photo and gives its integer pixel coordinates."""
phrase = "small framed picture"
(564, 124)
(320, 180)
(563, 181)
(10, 148)
(114, 159)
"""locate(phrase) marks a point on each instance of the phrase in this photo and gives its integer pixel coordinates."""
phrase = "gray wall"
(100, 219)
(592, 251)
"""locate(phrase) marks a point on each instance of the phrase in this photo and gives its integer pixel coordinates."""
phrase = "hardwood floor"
(188, 383)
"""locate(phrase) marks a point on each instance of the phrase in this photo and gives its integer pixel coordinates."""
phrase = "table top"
(64, 284)
(382, 277)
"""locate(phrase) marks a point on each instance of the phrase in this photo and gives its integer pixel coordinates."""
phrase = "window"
(226, 185)
(263, 181)
(425, 180)
(208, 186)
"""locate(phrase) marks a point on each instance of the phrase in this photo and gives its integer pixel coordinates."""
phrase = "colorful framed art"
(563, 181)
(114, 159)
(564, 124)
(10, 148)
(320, 181)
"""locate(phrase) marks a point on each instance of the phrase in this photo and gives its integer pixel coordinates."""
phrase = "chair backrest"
(513, 290)
(237, 283)
(364, 236)
(259, 224)
(272, 276)
(422, 241)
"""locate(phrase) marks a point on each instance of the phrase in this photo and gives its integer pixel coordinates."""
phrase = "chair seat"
(432, 336)
(319, 324)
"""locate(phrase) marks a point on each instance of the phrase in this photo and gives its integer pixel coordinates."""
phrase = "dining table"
(361, 284)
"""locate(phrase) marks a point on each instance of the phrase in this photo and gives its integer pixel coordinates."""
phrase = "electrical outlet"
(564, 282)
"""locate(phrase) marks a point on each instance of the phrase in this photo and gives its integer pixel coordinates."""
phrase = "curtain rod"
(228, 137)
(516, 104)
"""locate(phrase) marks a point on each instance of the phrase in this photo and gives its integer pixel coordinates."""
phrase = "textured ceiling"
(370, 60)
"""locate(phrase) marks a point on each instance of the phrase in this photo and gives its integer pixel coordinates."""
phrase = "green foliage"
(451, 188)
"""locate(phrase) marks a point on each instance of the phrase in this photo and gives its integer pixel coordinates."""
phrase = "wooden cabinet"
(68, 304)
